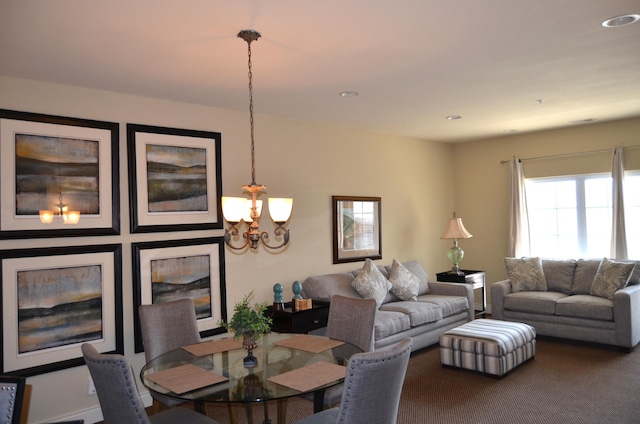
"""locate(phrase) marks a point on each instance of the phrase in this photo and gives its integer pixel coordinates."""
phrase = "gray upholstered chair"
(350, 320)
(165, 327)
(119, 398)
(11, 396)
(372, 388)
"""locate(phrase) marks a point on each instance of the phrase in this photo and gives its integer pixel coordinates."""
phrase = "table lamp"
(455, 230)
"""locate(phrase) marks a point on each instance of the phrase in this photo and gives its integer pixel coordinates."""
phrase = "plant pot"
(249, 342)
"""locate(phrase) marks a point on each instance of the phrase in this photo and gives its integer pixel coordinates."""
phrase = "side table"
(288, 321)
(475, 278)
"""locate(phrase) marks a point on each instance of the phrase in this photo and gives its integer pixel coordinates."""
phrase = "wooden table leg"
(282, 411)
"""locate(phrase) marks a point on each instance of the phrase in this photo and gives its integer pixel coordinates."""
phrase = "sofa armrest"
(455, 289)
(626, 313)
(499, 290)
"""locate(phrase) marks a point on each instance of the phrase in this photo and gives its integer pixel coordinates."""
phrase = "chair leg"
(282, 411)
(233, 413)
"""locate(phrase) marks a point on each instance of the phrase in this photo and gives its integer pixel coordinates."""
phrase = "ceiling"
(503, 65)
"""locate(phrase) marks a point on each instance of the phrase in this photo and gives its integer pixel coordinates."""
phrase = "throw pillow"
(404, 284)
(370, 283)
(526, 274)
(610, 277)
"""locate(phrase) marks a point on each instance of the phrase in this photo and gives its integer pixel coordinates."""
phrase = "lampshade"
(456, 230)
(71, 217)
(280, 209)
(46, 216)
(233, 208)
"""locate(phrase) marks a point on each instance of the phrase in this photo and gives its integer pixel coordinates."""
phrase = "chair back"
(373, 385)
(168, 326)
(116, 388)
(352, 320)
(11, 396)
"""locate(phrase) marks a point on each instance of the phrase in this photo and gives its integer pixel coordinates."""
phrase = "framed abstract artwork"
(357, 232)
(51, 165)
(172, 270)
(54, 300)
(175, 179)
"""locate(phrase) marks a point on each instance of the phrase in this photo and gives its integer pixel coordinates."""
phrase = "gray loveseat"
(568, 307)
(438, 308)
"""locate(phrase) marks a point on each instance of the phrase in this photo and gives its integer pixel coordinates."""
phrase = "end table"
(288, 321)
(475, 278)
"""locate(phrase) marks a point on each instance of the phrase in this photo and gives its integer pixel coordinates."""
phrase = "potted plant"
(249, 322)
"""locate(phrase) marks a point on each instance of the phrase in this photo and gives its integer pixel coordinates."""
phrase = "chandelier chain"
(253, 154)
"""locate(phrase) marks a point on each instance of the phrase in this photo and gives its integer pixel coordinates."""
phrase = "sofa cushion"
(583, 306)
(450, 305)
(611, 276)
(404, 284)
(388, 323)
(418, 312)
(525, 274)
(370, 283)
(635, 277)
(323, 287)
(559, 274)
(536, 302)
(583, 277)
(416, 269)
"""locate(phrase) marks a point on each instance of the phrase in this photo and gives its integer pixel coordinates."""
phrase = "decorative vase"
(249, 342)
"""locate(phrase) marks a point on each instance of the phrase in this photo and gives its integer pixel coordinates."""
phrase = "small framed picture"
(53, 168)
(54, 300)
(357, 233)
(172, 270)
(175, 179)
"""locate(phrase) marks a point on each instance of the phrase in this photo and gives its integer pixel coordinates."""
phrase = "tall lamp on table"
(455, 230)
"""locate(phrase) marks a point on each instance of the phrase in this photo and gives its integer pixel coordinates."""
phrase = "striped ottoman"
(488, 346)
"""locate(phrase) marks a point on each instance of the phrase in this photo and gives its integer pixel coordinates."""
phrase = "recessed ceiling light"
(349, 94)
(453, 117)
(621, 20)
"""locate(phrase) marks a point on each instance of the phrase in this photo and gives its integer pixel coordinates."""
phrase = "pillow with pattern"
(526, 274)
(404, 284)
(610, 277)
(370, 283)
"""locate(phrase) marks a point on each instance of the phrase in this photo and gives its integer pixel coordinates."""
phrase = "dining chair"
(165, 327)
(118, 395)
(350, 320)
(11, 397)
(372, 388)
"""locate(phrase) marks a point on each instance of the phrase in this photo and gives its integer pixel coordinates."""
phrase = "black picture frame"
(143, 256)
(357, 228)
(28, 176)
(184, 194)
(42, 287)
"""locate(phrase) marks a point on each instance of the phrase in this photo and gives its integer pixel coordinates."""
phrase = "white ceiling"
(413, 61)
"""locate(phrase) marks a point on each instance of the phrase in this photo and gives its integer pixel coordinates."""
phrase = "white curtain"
(618, 229)
(519, 241)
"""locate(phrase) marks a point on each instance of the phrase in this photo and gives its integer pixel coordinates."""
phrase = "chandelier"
(237, 210)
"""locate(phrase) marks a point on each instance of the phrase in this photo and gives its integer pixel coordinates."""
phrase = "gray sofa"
(568, 307)
(438, 308)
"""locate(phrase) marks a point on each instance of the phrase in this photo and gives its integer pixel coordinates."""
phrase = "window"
(570, 217)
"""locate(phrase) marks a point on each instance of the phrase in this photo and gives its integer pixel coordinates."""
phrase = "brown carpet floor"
(566, 383)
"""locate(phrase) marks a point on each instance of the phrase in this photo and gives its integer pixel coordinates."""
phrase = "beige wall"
(482, 182)
(306, 161)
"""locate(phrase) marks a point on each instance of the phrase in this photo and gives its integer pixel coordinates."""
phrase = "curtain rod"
(502, 162)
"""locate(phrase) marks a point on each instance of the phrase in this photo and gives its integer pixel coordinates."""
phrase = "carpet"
(566, 383)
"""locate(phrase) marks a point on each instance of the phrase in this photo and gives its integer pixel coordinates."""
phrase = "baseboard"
(92, 415)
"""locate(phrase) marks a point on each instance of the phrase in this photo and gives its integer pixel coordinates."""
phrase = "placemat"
(185, 378)
(213, 346)
(311, 376)
(308, 343)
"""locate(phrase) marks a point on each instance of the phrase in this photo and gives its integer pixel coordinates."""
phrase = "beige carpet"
(565, 383)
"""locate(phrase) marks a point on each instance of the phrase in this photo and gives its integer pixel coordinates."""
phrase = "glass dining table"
(214, 372)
